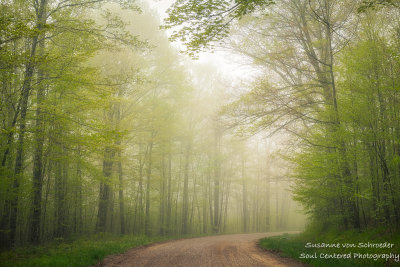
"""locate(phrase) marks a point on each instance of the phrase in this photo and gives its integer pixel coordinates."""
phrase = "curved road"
(223, 250)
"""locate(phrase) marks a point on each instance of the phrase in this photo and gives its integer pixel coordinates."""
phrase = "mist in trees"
(105, 128)
(329, 79)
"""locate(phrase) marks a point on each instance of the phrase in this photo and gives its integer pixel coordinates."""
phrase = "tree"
(206, 22)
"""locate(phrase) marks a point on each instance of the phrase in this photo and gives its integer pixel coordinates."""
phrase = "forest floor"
(68, 253)
(221, 250)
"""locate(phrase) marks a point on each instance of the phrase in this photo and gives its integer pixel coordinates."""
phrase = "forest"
(109, 124)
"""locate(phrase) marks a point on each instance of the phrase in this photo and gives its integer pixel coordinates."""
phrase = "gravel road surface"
(218, 251)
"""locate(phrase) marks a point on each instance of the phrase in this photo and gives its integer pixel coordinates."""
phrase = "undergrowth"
(84, 252)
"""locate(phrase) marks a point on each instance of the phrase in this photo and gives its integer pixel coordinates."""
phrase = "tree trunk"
(37, 179)
(185, 207)
(267, 202)
(121, 195)
(60, 192)
(162, 196)
(169, 194)
(147, 223)
(244, 194)
(217, 173)
(105, 190)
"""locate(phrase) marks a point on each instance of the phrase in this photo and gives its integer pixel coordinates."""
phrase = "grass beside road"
(78, 253)
(294, 246)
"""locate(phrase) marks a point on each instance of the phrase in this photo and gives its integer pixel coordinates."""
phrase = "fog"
(120, 133)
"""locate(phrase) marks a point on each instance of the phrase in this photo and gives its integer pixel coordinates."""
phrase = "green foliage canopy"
(205, 22)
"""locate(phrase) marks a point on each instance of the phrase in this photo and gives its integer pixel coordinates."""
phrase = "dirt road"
(224, 250)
